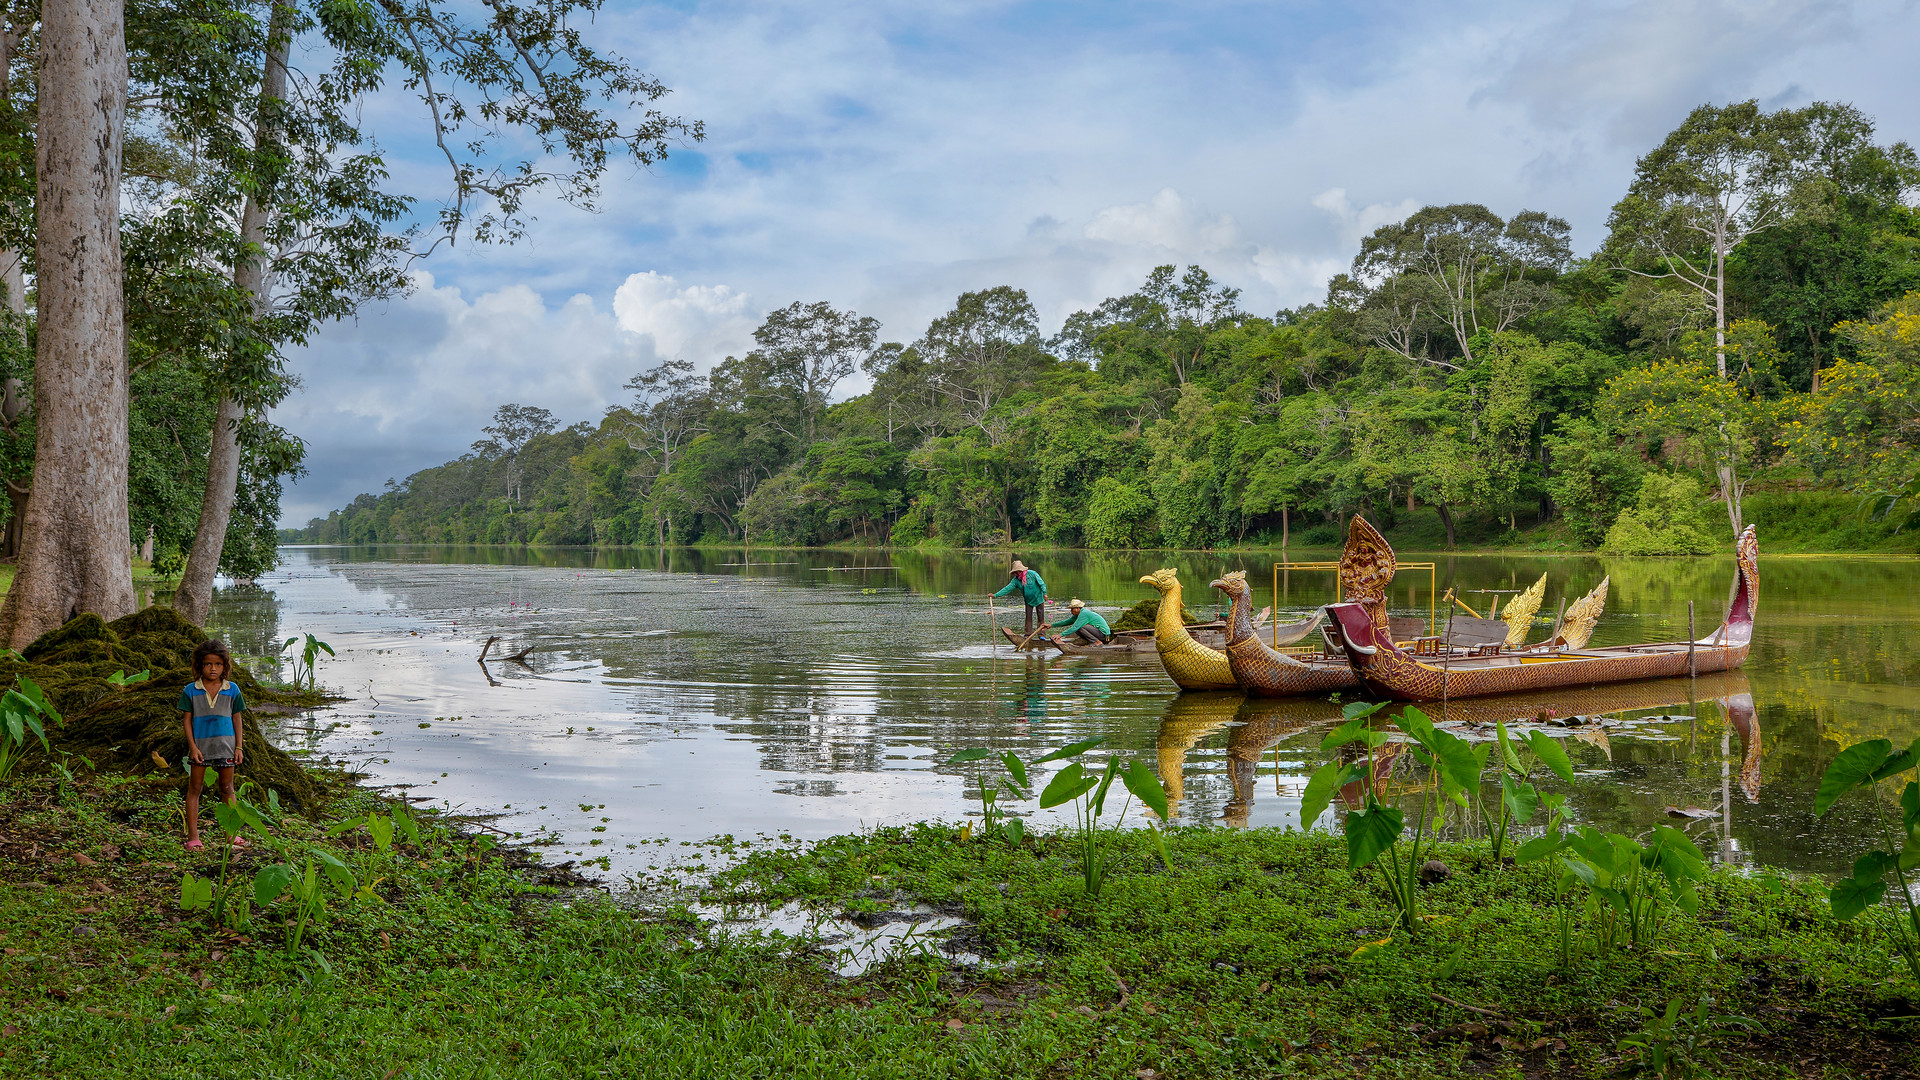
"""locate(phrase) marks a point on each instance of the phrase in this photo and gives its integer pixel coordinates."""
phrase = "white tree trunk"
(194, 598)
(76, 545)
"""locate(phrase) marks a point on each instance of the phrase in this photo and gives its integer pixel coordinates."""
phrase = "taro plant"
(309, 654)
(1377, 827)
(24, 711)
(1631, 887)
(1519, 798)
(995, 821)
(308, 889)
(122, 679)
(1087, 790)
(1866, 765)
(196, 893)
(1678, 1042)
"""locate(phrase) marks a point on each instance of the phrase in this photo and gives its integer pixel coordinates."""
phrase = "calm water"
(813, 693)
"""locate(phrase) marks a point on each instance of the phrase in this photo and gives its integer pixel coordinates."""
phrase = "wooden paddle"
(995, 636)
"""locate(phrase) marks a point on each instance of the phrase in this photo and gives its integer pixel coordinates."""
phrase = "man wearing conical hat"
(1032, 590)
(1084, 623)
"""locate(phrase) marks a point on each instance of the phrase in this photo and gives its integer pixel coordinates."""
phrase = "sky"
(887, 157)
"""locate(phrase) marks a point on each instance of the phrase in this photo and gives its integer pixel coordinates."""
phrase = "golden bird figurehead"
(1233, 583)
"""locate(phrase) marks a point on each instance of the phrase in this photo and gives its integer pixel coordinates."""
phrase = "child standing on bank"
(210, 709)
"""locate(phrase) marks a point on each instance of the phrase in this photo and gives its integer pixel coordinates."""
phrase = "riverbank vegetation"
(1256, 952)
(1469, 381)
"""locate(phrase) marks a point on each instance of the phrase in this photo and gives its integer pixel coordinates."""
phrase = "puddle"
(849, 943)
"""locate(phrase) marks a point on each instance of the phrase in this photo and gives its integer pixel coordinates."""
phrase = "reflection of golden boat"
(1189, 664)
(1389, 671)
(1188, 719)
(1260, 669)
(1264, 722)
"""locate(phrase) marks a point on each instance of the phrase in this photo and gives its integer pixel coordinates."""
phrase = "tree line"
(1751, 317)
(188, 189)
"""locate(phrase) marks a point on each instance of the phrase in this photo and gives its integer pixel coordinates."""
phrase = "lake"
(679, 695)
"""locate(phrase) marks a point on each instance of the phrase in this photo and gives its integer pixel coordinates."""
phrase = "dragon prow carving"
(1582, 615)
(1519, 614)
(1234, 581)
(1366, 566)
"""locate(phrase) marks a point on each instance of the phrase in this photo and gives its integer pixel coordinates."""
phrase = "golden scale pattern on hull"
(1260, 670)
(1388, 671)
(1190, 664)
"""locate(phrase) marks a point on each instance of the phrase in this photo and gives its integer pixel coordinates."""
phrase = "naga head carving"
(1366, 566)
(1233, 583)
(1165, 579)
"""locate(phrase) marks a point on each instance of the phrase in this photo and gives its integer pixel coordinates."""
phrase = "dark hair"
(212, 647)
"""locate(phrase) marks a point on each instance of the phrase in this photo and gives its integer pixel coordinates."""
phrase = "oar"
(996, 623)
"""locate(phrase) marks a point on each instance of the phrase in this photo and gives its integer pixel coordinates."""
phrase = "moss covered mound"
(1141, 615)
(136, 727)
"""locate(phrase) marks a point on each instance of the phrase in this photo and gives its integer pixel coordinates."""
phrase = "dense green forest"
(1745, 340)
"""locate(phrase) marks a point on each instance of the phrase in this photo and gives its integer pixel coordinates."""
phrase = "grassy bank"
(459, 959)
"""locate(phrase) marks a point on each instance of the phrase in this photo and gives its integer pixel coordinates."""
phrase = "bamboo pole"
(995, 619)
(1690, 637)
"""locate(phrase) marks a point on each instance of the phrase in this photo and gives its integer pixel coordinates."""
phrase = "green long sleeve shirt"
(1087, 617)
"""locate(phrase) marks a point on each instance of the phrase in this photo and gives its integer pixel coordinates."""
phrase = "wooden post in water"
(1690, 634)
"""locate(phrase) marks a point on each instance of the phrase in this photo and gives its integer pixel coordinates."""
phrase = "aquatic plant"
(235, 819)
(1866, 765)
(1519, 798)
(1375, 827)
(309, 654)
(1629, 886)
(995, 821)
(1678, 1043)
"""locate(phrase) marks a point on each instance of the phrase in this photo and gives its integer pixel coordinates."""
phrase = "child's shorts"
(212, 763)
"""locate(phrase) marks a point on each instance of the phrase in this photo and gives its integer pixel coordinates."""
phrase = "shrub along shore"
(355, 938)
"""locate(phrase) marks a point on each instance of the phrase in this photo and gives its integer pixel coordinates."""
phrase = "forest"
(1744, 343)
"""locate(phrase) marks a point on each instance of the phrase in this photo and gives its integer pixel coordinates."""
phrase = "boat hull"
(1400, 677)
(1265, 673)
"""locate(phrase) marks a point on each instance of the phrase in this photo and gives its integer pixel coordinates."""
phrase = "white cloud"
(700, 323)
(1167, 222)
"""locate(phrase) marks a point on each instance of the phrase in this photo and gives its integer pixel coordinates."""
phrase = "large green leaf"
(1457, 761)
(380, 827)
(195, 893)
(1354, 730)
(1872, 866)
(1507, 753)
(1521, 798)
(1551, 754)
(1540, 847)
(1067, 785)
(1414, 722)
(1359, 710)
(1910, 805)
(1321, 786)
(1370, 832)
(270, 881)
(1852, 896)
(1015, 769)
(1899, 762)
(1106, 784)
(337, 873)
(978, 753)
(1854, 767)
(1145, 787)
(1070, 750)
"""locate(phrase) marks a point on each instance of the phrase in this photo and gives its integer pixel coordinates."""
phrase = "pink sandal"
(241, 842)
(194, 845)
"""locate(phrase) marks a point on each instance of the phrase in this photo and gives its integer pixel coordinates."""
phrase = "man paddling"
(1084, 623)
(1033, 593)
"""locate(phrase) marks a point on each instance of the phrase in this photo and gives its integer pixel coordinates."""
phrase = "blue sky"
(888, 156)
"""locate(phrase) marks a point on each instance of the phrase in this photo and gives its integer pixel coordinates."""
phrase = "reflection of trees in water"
(247, 617)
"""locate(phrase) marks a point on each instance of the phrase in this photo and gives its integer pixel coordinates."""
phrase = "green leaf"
(1352, 731)
(1521, 798)
(1898, 763)
(1370, 832)
(195, 893)
(249, 814)
(1551, 754)
(230, 821)
(1415, 723)
(270, 881)
(1457, 762)
(976, 754)
(1507, 752)
(337, 873)
(1872, 866)
(1016, 770)
(1910, 805)
(1853, 768)
(1071, 750)
(1540, 847)
(1850, 897)
(340, 828)
(1146, 787)
(1321, 786)
(380, 827)
(1360, 710)
(1067, 785)
(1106, 783)
(407, 826)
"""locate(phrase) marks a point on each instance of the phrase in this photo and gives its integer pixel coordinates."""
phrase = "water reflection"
(696, 692)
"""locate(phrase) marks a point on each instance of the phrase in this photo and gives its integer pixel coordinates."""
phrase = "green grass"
(1239, 962)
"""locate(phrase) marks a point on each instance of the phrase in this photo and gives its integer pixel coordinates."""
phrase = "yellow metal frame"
(1433, 583)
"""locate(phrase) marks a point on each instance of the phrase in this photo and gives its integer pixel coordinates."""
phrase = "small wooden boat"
(1191, 665)
(1391, 672)
(1260, 669)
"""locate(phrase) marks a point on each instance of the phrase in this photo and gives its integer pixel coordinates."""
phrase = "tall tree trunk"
(1283, 526)
(1446, 518)
(76, 550)
(194, 598)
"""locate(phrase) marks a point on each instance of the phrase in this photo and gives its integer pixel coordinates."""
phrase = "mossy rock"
(136, 727)
(1141, 615)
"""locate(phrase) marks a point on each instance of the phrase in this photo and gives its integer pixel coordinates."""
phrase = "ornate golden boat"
(1361, 630)
(1262, 670)
(1189, 664)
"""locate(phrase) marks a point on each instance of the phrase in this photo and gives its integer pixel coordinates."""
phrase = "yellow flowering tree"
(1861, 429)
